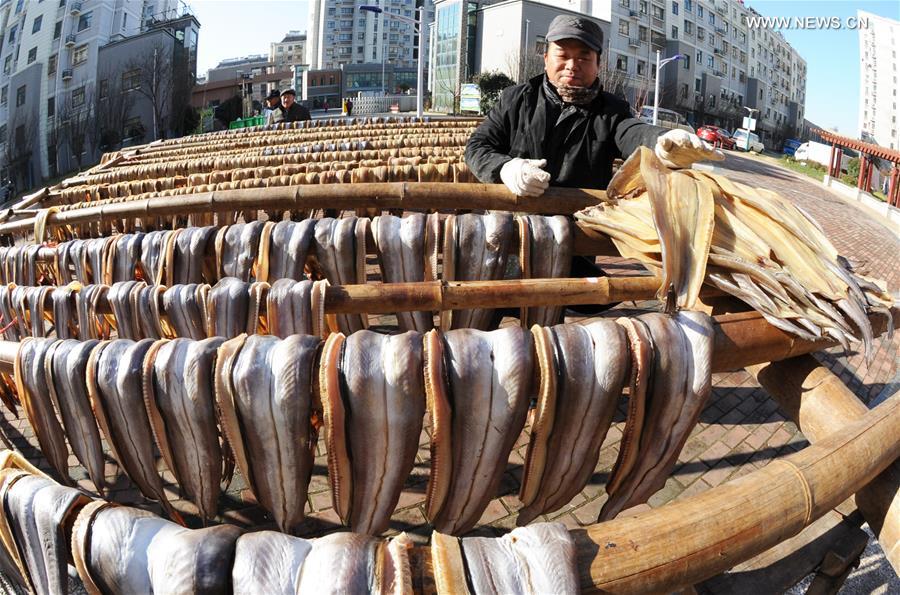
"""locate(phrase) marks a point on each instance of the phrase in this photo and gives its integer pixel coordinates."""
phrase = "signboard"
(470, 98)
(749, 124)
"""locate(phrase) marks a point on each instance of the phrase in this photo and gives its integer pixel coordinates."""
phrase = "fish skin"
(125, 257)
(272, 382)
(18, 504)
(400, 245)
(336, 252)
(237, 249)
(65, 314)
(181, 389)
(268, 562)
(35, 397)
(117, 395)
(153, 255)
(484, 244)
(550, 257)
(187, 562)
(340, 563)
(289, 308)
(489, 377)
(188, 260)
(289, 247)
(66, 372)
(185, 307)
(540, 558)
(122, 303)
(385, 403)
(590, 366)
(229, 309)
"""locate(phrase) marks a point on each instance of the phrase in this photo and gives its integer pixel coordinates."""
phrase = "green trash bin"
(236, 124)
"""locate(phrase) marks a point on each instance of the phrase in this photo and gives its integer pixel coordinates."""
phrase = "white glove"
(524, 177)
(679, 148)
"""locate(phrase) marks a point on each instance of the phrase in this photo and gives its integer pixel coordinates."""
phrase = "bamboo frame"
(378, 196)
(820, 404)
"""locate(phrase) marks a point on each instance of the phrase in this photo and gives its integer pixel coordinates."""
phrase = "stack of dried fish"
(693, 227)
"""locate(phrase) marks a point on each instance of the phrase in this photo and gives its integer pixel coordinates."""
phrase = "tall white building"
(288, 52)
(49, 55)
(340, 33)
(879, 44)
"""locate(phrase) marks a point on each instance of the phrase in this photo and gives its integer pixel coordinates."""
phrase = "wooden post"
(831, 161)
(862, 171)
(820, 404)
(868, 184)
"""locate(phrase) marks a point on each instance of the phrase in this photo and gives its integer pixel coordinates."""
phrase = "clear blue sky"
(232, 28)
(832, 56)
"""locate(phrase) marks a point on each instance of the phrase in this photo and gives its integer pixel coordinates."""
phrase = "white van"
(740, 141)
(667, 119)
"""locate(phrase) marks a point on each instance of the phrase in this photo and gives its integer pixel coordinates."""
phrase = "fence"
(383, 104)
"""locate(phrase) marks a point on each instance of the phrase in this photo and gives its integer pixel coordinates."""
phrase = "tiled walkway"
(740, 430)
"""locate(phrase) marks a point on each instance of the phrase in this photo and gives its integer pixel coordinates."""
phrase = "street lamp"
(751, 126)
(420, 71)
(660, 64)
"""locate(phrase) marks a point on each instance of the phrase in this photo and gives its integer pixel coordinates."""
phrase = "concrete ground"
(740, 430)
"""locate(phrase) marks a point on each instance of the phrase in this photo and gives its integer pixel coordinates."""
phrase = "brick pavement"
(740, 430)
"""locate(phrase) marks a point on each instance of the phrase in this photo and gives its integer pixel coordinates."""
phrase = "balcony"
(67, 74)
(634, 42)
(657, 23)
(70, 40)
(718, 51)
(719, 73)
(721, 31)
(722, 8)
(633, 14)
(75, 9)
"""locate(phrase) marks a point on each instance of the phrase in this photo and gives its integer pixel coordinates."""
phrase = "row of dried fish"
(467, 247)
(455, 172)
(261, 402)
(118, 182)
(692, 228)
(118, 549)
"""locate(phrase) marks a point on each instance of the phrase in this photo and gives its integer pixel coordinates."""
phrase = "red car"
(716, 136)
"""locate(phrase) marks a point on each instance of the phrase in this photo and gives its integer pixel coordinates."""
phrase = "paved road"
(740, 430)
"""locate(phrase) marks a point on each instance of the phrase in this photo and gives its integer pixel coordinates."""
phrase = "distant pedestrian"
(349, 107)
(291, 110)
(272, 110)
(325, 105)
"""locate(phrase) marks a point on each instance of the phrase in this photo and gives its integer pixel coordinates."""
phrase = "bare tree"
(18, 149)
(112, 107)
(76, 120)
(152, 76)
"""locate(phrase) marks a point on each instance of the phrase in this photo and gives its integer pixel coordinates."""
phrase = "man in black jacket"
(293, 111)
(562, 128)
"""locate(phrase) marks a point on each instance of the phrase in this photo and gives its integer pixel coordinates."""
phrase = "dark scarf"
(575, 95)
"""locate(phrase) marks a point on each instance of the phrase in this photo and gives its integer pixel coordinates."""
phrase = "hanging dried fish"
(400, 245)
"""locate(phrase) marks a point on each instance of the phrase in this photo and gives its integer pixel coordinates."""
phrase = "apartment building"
(49, 54)
(289, 52)
(879, 68)
(340, 33)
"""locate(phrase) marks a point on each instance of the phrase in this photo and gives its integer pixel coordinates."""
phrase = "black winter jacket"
(579, 143)
(297, 113)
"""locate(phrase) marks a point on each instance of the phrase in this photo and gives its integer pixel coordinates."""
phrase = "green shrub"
(490, 84)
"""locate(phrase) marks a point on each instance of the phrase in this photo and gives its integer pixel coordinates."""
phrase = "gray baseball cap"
(574, 27)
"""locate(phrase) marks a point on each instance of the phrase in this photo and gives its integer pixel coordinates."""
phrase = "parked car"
(667, 119)
(790, 146)
(740, 141)
(716, 136)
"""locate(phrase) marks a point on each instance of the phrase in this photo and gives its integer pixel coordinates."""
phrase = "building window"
(80, 55)
(20, 96)
(51, 107)
(12, 34)
(4, 95)
(103, 89)
(641, 68)
(710, 61)
(84, 21)
(701, 32)
(7, 64)
(659, 12)
(643, 6)
(623, 27)
(3, 133)
(697, 84)
(699, 57)
(36, 24)
(700, 11)
(131, 79)
(78, 97)
(689, 27)
(712, 18)
(674, 32)
(625, 3)
(51, 65)
(642, 32)
(57, 29)
(689, 5)
(622, 63)
(687, 62)
(674, 8)
(32, 55)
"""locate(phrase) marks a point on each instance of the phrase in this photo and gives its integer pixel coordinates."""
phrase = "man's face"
(287, 100)
(570, 62)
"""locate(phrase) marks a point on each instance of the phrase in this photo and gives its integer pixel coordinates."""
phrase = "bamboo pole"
(820, 404)
(379, 196)
(685, 542)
